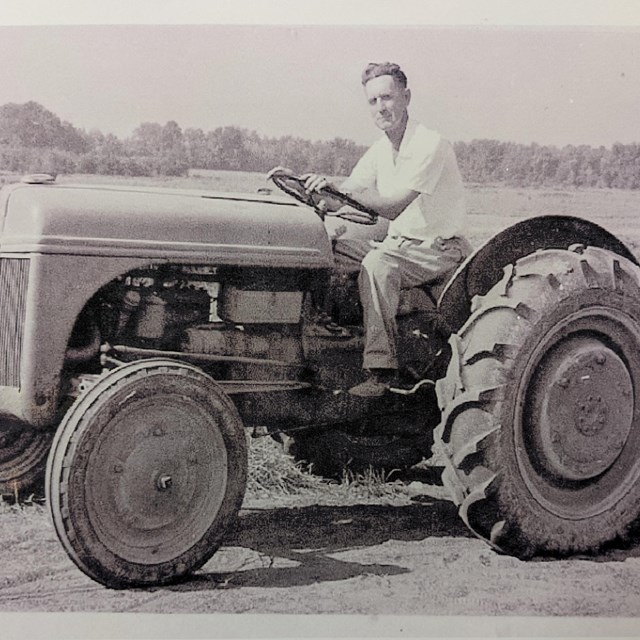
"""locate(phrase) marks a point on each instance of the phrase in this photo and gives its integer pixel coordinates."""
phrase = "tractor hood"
(186, 225)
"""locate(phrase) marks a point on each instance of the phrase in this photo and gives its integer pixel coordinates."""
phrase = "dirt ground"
(407, 557)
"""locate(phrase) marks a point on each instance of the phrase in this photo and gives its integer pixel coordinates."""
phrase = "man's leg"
(396, 264)
(422, 263)
(379, 283)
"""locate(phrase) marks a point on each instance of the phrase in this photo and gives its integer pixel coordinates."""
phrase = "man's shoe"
(376, 385)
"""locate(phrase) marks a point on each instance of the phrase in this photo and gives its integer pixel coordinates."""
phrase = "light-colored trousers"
(394, 264)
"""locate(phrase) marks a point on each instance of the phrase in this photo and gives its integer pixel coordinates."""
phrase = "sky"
(546, 83)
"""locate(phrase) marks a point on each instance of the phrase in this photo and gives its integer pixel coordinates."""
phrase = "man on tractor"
(409, 176)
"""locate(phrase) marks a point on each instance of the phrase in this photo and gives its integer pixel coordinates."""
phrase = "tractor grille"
(14, 274)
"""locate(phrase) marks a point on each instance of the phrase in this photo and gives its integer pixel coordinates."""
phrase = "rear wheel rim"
(574, 437)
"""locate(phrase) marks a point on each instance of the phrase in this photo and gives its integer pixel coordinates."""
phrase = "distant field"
(230, 181)
(491, 207)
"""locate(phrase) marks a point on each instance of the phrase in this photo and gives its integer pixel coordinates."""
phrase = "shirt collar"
(408, 134)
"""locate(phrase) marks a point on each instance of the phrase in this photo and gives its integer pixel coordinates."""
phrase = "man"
(409, 176)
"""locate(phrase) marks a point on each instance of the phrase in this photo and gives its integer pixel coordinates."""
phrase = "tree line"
(33, 139)
(491, 161)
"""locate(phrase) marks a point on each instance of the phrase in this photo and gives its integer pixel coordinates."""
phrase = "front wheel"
(23, 457)
(147, 473)
(541, 405)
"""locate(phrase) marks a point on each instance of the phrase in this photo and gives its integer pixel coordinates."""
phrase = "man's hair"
(376, 69)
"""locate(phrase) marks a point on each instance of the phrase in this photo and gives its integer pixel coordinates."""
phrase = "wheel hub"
(582, 409)
(591, 415)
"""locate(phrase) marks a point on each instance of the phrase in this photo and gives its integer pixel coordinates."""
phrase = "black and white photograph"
(320, 326)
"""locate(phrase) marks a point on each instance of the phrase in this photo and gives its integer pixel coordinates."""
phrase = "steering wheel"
(294, 186)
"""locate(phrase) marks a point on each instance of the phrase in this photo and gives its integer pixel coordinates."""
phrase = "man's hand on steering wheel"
(317, 192)
(318, 187)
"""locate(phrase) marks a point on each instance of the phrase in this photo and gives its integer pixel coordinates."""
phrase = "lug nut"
(163, 483)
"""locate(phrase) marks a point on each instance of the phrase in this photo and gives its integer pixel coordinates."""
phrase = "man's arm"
(422, 167)
(389, 207)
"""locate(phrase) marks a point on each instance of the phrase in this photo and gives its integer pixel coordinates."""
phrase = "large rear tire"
(541, 405)
(146, 474)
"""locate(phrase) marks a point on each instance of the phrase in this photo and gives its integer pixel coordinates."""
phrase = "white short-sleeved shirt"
(425, 163)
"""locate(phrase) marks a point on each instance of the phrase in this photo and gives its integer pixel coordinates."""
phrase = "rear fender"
(483, 268)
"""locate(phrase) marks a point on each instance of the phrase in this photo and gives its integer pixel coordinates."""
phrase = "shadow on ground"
(307, 536)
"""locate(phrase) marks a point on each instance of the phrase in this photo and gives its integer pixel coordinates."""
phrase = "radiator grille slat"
(14, 274)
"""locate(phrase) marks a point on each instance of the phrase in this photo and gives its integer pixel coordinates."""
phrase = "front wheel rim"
(156, 479)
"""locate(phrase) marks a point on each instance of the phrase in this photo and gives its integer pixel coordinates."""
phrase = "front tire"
(146, 474)
(541, 405)
(23, 458)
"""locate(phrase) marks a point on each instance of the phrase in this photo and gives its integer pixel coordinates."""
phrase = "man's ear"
(408, 94)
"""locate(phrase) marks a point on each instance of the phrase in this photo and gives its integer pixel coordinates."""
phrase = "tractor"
(145, 331)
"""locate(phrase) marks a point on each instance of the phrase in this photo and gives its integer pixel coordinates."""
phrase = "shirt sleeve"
(364, 173)
(423, 164)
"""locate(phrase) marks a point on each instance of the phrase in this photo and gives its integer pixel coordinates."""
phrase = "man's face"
(388, 102)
